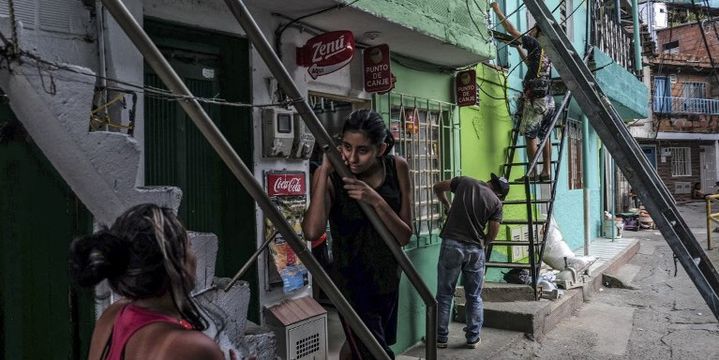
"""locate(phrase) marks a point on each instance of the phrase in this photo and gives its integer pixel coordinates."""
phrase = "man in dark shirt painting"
(473, 220)
(536, 105)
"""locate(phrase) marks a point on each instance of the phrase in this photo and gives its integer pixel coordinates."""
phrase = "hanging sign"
(466, 88)
(377, 74)
(286, 184)
(326, 53)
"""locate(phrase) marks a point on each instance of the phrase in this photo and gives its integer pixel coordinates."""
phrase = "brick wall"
(689, 38)
(664, 169)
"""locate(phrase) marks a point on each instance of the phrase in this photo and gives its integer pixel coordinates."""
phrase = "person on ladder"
(536, 105)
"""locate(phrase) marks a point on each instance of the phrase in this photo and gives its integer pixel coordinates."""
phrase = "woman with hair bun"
(363, 267)
(146, 258)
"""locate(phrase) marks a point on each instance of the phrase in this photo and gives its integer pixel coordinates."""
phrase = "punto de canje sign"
(466, 88)
(326, 53)
(377, 74)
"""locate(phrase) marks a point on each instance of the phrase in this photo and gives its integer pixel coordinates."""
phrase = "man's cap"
(501, 185)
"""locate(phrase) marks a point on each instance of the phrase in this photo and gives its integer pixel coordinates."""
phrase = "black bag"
(518, 276)
(538, 88)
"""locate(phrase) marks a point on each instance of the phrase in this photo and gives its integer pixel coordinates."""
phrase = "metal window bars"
(425, 133)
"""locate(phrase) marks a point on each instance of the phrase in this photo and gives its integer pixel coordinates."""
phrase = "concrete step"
(205, 246)
(537, 318)
(227, 311)
(622, 278)
(499, 292)
(258, 343)
(54, 107)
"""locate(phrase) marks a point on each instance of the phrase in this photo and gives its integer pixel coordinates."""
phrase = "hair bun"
(96, 257)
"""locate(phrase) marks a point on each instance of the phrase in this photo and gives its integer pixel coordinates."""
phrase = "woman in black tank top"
(363, 267)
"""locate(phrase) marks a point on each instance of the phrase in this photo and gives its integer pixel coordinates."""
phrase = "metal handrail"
(711, 217)
(685, 105)
(223, 148)
(273, 62)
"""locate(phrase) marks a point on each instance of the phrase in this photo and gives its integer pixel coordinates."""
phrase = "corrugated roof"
(292, 311)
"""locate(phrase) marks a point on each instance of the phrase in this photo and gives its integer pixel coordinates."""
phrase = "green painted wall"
(428, 83)
(628, 95)
(42, 316)
(447, 20)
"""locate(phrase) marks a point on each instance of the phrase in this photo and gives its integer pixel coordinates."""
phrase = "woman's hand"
(327, 165)
(360, 191)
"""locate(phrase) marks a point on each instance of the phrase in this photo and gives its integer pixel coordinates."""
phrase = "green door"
(212, 66)
(41, 316)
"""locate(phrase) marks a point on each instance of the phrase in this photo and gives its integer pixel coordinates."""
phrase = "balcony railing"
(610, 37)
(683, 105)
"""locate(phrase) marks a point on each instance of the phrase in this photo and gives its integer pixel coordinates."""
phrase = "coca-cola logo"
(286, 184)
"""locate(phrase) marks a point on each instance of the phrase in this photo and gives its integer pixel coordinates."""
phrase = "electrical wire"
(487, 38)
(150, 91)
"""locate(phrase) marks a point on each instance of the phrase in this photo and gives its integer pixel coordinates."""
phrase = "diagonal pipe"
(263, 47)
(223, 148)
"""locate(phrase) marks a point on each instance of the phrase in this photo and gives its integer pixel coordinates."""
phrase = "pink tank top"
(131, 319)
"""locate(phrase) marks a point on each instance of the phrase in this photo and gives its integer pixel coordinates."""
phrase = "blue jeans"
(456, 256)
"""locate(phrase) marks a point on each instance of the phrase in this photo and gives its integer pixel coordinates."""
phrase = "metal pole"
(585, 182)
(637, 38)
(709, 223)
(223, 148)
(613, 178)
(250, 261)
(263, 47)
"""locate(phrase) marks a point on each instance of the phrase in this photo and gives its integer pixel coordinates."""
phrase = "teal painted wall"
(628, 95)
(569, 203)
(447, 20)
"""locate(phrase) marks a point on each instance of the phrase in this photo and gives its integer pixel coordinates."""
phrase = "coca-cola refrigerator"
(287, 191)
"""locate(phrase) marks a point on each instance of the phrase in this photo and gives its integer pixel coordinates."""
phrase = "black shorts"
(379, 313)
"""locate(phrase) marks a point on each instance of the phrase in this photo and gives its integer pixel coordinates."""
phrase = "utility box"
(300, 326)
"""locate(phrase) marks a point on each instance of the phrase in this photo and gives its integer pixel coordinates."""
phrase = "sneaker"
(473, 344)
(532, 178)
(441, 344)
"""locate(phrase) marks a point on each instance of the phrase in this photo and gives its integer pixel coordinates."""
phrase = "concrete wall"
(664, 167)
(628, 95)
(447, 20)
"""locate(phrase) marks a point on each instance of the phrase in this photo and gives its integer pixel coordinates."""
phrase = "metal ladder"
(627, 154)
(534, 243)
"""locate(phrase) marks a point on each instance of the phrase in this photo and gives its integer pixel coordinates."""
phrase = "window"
(426, 133)
(694, 94)
(681, 161)
(662, 95)
(671, 47)
(695, 90)
(575, 154)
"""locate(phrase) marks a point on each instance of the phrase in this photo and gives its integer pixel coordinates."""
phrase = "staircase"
(538, 196)
(102, 167)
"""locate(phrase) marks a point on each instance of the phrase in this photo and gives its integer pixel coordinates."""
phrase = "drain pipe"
(637, 38)
(585, 183)
(223, 148)
(264, 48)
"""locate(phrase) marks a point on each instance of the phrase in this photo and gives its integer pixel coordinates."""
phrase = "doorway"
(212, 65)
(707, 169)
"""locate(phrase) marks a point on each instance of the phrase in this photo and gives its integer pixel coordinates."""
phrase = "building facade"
(142, 147)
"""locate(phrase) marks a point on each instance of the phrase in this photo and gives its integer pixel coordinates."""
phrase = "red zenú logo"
(326, 53)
